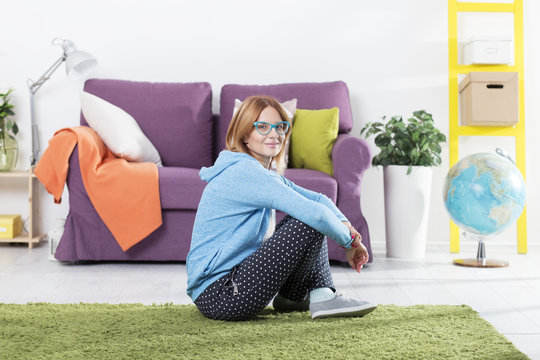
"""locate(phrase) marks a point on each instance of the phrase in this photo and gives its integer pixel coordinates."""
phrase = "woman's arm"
(315, 196)
(256, 187)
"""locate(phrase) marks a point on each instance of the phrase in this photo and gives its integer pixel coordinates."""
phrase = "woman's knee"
(300, 228)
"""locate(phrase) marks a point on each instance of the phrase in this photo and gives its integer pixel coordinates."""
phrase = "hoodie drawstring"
(232, 284)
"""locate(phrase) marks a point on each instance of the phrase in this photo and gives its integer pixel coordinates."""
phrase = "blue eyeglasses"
(264, 128)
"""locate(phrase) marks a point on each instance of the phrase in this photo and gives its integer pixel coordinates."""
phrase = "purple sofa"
(178, 120)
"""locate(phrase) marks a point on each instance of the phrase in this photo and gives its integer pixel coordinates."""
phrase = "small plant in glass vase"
(8, 130)
(409, 150)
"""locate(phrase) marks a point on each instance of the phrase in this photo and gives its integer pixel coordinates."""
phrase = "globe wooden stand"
(481, 261)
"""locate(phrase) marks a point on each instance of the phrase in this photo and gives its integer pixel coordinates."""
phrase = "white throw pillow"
(118, 130)
(290, 109)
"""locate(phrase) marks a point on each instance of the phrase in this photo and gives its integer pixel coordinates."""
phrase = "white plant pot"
(406, 204)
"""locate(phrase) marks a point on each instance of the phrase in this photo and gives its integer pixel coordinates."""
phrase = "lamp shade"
(79, 64)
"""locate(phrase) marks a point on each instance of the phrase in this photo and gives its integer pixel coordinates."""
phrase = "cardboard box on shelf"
(10, 226)
(489, 99)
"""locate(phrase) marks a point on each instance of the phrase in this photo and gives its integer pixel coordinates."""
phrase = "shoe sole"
(357, 311)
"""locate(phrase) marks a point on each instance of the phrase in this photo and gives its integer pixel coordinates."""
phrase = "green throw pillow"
(313, 135)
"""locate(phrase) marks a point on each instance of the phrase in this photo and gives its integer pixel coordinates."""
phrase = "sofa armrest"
(351, 157)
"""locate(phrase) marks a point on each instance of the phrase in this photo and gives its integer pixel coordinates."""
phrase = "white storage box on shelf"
(480, 50)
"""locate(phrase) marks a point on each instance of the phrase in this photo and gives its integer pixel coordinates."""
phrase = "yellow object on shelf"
(10, 226)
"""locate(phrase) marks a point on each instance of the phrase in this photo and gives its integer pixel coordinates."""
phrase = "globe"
(484, 193)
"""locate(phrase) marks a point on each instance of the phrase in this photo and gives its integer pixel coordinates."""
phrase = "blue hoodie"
(234, 214)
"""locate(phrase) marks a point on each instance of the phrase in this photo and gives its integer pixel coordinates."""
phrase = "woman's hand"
(357, 255)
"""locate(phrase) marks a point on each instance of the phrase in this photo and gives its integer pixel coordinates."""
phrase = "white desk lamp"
(78, 65)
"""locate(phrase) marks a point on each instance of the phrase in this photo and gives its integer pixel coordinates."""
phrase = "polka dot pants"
(292, 262)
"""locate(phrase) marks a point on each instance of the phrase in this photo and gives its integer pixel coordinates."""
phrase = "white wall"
(393, 54)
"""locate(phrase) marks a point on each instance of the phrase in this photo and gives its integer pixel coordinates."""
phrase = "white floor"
(509, 298)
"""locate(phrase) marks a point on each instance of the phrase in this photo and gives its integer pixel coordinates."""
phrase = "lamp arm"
(34, 86)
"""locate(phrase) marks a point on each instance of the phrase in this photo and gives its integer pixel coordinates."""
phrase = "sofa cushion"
(314, 180)
(311, 96)
(180, 188)
(313, 136)
(118, 130)
(176, 117)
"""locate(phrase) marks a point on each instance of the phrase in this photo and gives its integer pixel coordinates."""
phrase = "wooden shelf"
(15, 174)
(24, 238)
(32, 237)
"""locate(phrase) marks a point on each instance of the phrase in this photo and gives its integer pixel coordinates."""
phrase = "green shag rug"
(134, 331)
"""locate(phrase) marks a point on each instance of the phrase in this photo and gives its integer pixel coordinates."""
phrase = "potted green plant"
(8, 129)
(408, 151)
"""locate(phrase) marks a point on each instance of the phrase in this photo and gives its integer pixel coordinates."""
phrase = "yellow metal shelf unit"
(454, 68)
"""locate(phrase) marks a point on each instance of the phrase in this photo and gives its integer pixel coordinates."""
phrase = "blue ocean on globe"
(484, 193)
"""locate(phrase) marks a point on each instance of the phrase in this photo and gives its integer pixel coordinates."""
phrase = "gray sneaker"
(283, 305)
(340, 306)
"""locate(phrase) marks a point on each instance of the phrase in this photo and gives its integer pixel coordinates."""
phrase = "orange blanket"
(125, 194)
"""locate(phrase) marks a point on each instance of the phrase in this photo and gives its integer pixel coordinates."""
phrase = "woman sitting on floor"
(239, 260)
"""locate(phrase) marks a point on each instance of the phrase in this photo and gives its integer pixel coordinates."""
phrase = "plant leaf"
(409, 169)
(382, 140)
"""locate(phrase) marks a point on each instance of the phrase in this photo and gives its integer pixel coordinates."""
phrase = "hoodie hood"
(225, 159)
